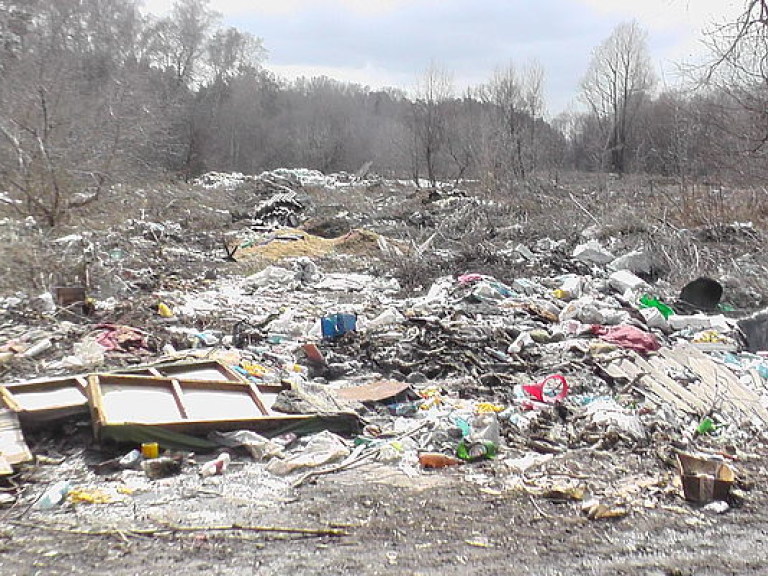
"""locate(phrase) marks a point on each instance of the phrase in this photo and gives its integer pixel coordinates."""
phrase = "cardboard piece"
(705, 480)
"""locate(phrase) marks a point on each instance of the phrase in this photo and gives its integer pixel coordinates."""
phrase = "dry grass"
(685, 228)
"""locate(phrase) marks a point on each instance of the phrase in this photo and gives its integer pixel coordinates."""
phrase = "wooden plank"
(758, 382)
(173, 403)
(208, 370)
(706, 386)
(96, 402)
(178, 396)
(646, 382)
(7, 398)
(722, 388)
(13, 448)
(257, 399)
(684, 397)
(705, 397)
(732, 394)
(614, 371)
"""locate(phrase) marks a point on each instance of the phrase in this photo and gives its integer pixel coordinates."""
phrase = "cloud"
(400, 39)
(660, 14)
(373, 42)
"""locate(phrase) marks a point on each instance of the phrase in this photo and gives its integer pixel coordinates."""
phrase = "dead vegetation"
(693, 231)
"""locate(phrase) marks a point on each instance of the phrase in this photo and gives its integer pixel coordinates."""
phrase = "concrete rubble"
(463, 368)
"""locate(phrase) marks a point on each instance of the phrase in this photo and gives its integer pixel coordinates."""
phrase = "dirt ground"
(383, 522)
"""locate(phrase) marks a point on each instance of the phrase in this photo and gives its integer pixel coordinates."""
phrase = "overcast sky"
(392, 42)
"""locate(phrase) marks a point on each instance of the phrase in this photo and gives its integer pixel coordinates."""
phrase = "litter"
(323, 448)
(216, 467)
(551, 390)
(628, 337)
(337, 325)
(13, 447)
(705, 479)
(54, 496)
(304, 354)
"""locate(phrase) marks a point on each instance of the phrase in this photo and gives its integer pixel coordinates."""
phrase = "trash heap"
(297, 371)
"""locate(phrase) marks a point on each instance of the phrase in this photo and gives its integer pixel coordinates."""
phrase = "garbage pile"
(296, 371)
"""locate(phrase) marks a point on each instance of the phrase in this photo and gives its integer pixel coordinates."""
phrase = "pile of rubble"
(295, 371)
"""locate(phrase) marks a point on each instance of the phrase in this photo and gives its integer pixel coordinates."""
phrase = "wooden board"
(188, 405)
(43, 400)
(712, 385)
(13, 448)
(209, 370)
(719, 385)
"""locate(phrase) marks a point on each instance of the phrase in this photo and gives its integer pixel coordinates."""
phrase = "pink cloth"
(121, 338)
(627, 337)
(470, 278)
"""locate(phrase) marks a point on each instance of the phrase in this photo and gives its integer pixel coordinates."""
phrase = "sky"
(391, 43)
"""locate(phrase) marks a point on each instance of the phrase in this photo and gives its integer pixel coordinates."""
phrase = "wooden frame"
(43, 400)
(178, 404)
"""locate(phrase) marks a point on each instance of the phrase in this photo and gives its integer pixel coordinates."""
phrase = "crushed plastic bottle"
(131, 460)
(54, 496)
(473, 451)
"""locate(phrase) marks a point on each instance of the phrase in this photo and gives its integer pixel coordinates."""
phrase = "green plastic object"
(705, 426)
(473, 451)
(647, 301)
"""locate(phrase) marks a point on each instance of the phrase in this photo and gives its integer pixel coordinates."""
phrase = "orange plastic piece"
(437, 460)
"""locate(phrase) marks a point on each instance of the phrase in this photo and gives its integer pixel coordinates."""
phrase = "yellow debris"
(486, 407)
(164, 310)
(293, 243)
(89, 497)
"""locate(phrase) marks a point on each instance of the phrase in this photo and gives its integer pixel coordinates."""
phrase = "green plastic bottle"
(474, 451)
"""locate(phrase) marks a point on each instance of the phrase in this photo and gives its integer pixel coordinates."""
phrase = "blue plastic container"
(335, 325)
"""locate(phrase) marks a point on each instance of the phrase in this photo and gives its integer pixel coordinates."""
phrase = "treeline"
(95, 92)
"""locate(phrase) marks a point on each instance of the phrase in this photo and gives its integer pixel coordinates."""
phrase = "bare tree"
(514, 102)
(231, 51)
(616, 85)
(735, 83)
(73, 108)
(429, 120)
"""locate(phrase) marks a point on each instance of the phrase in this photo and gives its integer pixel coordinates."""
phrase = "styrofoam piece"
(623, 280)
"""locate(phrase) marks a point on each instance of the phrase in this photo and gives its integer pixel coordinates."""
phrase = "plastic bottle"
(130, 460)
(37, 348)
(473, 451)
(54, 496)
(216, 467)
